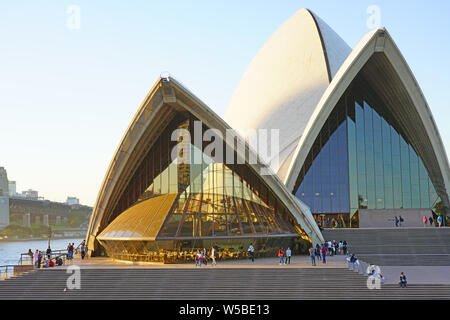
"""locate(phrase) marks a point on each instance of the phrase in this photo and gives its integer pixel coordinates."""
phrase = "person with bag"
(281, 255)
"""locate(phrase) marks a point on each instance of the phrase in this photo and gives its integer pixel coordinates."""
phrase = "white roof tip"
(335, 48)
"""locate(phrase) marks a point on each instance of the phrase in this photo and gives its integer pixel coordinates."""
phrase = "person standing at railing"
(49, 253)
(30, 254)
(69, 251)
(39, 260)
(36, 257)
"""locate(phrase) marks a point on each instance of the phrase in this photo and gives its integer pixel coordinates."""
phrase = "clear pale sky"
(68, 95)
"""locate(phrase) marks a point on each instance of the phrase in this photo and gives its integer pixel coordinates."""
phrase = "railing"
(26, 259)
(6, 271)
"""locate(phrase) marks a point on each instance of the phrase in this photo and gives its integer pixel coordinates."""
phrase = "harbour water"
(10, 251)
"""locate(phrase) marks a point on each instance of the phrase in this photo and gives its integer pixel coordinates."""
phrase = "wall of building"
(386, 217)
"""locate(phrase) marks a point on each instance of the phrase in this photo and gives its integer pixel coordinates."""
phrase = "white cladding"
(284, 82)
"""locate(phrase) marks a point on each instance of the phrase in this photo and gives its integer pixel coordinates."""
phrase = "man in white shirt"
(288, 256)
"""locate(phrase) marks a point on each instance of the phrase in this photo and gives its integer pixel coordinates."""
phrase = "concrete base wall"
(386, 217)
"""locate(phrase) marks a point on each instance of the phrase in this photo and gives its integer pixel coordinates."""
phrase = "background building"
(72, 201)
(4, 199)
(12, 188)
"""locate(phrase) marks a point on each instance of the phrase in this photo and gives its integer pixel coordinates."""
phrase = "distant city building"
(31, 194)
(4, 199)
(72, 201)
(12, 188)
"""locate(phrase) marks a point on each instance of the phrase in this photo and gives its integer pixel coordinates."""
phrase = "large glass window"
(362, 160)
(208, 198)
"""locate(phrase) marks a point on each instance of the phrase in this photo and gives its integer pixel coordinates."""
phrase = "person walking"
(324, 254)
(205, 257)
(312, 255)
(82, 250)
(198, 259)
(439, 221)
(401, 220)
(251, 251)
(341, 247)
(213, 256)
(396, 221)
(281, 255)
(344, 245)
(402, 280)
(430, 219)
(424, 220)
(317, 252)
(288, 256)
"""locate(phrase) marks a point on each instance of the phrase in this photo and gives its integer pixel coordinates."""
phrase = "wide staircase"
(210, 283)
(396, 246)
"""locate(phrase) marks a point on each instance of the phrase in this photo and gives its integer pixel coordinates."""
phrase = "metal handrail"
(6, 266)
(53, 254)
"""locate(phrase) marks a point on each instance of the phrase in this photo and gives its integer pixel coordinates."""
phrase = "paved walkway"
(296, 262)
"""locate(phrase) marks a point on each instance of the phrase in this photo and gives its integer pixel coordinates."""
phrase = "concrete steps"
(209, 283)
(397, 246)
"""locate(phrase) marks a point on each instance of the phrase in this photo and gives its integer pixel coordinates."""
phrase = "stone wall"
(386, 217)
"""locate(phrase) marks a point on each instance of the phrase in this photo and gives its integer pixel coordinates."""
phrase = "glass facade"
(361, 159)
(171, 203)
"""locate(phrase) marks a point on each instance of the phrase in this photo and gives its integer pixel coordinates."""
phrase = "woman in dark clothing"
(402, 280)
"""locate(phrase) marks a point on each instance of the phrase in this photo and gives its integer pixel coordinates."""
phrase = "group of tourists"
(327, 248)
(83, 248)
(398, 221)
(39, 259)
(201, 257)
(430, 220)
(285, 256)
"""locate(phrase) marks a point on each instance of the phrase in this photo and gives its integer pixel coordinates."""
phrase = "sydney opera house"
(357, 144)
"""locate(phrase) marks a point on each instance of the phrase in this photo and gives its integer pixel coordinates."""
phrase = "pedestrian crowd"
(41, 260)
(82, 249)
(330, 248)
(398, 221)
(430, 220)
(202, 257)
